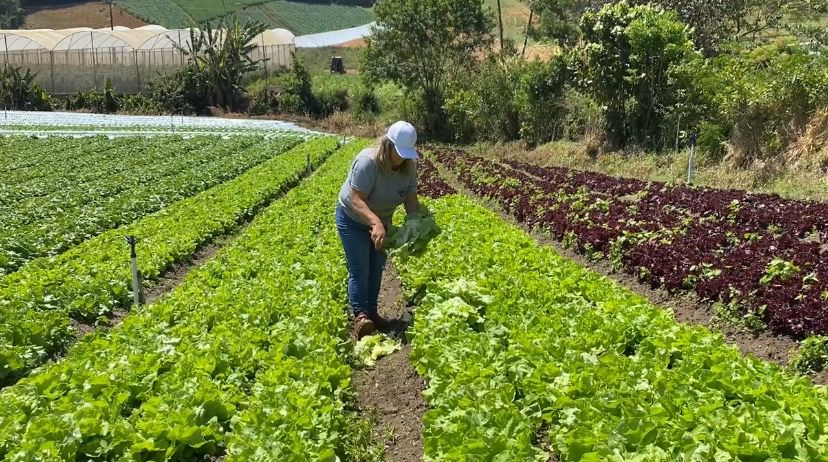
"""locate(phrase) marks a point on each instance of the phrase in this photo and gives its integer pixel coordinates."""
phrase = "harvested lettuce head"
(413, 236)
(368, 350)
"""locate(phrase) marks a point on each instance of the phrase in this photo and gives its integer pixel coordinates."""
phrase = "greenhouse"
(69, 60)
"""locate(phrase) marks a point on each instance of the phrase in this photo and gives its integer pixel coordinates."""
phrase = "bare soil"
(390, 393)
(355, 43)
(687, 308)
(80, 14)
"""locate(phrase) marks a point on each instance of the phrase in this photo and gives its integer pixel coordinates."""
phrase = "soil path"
(687, 308)
(390, 393)
(173, 277)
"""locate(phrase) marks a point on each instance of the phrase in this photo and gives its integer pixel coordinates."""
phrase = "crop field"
(759, 256)
(308, 18)
(296, 16)
(60, 192)
(523, 354)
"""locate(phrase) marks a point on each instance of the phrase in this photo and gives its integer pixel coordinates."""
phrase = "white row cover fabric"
(149, 37)
(334, 37)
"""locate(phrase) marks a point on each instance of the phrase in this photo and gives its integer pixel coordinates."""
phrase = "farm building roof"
(143, 38)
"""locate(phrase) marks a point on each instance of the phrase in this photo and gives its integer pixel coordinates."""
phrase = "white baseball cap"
(404, 137)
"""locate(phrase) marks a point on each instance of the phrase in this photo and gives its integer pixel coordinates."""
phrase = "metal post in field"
(137, 285)
(691, 160)
(94, 59)
(52, 69)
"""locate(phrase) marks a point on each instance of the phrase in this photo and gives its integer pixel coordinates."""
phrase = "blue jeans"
(365, 263)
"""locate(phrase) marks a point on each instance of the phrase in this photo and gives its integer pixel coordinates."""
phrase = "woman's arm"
(360, 206)
(411, 203)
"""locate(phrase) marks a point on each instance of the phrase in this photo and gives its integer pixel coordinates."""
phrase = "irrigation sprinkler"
(691, 160)
(137, 284)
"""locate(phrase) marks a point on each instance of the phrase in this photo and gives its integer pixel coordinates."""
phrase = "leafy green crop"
(67, 198)
(413, 235)
(373, 347)
(512, 339)
(812, 355)
(245, 359)
(38, 302)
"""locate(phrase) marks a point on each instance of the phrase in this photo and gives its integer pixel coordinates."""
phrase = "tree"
(627, 57)
(719, 21)
(11, 14)
(219, 58)
(18, 90)
(558, 19)
(714, 22)
(423, 44)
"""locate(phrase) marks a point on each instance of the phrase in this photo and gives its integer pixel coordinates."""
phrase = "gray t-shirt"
(386, 191)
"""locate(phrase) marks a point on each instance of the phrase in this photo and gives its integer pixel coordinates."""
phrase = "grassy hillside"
(515, 17)
(299, 17)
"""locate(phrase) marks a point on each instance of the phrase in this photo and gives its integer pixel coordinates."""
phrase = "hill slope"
(298, 17)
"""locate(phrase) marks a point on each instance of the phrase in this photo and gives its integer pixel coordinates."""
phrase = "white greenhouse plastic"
(69, 60)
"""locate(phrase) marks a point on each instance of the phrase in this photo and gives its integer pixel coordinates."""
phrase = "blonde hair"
(384, 149)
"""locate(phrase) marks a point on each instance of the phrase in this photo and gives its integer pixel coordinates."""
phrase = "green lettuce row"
(23, 157)
(75, 164)
(159, 176)
(38, 302)
(56, 158)
(297, 410)
(531, 350)
(245, 358)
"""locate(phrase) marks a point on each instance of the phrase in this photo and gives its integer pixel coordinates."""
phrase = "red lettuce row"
(758, 253)
(431, 184)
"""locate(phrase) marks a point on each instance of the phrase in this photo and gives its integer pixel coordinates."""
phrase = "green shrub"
(765, 97)
(331, 100)
(18, 90)
(711, 140)
(540, 101)
(511, 99)
(582, 114)
(108, 102)
(812, 355)
(365, 102)
(219, 58)
(140, 104)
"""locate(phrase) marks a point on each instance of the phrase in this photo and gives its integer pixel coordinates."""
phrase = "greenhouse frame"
(69, 60)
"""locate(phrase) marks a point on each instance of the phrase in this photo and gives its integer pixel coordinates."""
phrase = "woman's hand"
(378, 235)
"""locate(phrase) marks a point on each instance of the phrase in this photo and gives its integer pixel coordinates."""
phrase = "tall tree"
(11, 14)
(714, 22)
(719, 21)
(422, 44)
(627, 54)
(558, 19)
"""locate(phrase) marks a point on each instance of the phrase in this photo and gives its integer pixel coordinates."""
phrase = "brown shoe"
(378, 320)
(363, 326)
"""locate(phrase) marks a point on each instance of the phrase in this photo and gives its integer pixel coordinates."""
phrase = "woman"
(381, 178)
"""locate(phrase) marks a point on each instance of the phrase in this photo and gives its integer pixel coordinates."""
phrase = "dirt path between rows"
(391, 393)
(172, 278)
(687, 308)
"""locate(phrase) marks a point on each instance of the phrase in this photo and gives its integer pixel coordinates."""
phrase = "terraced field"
(296, 16)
